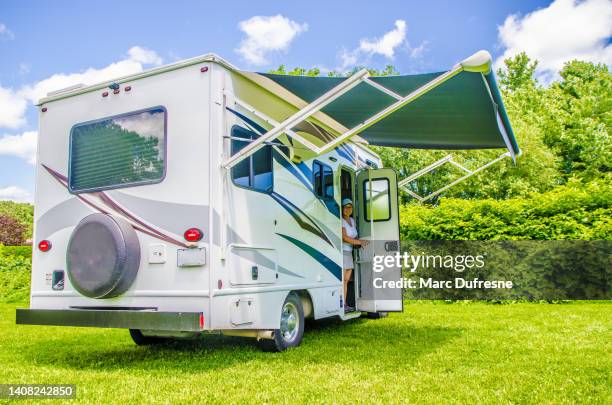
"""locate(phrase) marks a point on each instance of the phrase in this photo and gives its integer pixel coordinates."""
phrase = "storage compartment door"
(251, 265)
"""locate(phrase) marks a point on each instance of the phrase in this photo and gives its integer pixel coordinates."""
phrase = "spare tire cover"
(103, 256)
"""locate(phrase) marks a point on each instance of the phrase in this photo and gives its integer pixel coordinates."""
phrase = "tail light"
(193, 235)
(44, 245)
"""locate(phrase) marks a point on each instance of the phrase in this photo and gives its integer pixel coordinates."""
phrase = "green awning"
(465, 112)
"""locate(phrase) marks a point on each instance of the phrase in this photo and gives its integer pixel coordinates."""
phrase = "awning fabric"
(465, 112)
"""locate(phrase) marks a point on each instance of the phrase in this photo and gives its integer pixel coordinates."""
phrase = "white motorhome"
(197, 197)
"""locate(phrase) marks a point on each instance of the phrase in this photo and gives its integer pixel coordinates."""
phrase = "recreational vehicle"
(197, 197)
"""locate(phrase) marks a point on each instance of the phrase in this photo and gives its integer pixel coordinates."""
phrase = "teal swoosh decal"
(328, 263)
(300, 217)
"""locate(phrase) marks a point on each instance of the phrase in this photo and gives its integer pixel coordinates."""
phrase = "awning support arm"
(298, 117)
(362, 76)
(404, 183)
(274, 123)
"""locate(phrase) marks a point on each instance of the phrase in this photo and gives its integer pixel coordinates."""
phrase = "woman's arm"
(352, 241)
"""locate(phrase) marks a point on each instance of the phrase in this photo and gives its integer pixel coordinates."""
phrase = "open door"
(378, 222)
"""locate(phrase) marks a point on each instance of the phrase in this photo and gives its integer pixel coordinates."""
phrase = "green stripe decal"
(328, 263)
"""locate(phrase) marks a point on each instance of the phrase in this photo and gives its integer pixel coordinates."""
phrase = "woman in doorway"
(349, 239)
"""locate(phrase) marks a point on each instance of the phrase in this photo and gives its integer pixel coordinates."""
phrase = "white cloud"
(137, 58)
(24, 68)
(5, 33)
(348, 58)
(12, 108)
(15, 193)
(386, 45)
(266, 34)
(565, 30)
(145, 56)
(13, 103)
(23, 145)
(417, 52)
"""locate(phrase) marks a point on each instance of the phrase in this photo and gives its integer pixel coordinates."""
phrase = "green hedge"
(15, 273)
(574, 211)
(22, 251)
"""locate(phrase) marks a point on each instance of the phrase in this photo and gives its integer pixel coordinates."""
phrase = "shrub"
(12, 232)
(22, 212)
(15, 274)
(567, 212)
(23, 251)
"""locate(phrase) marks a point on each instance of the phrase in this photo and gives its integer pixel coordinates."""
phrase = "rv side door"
(378, 222)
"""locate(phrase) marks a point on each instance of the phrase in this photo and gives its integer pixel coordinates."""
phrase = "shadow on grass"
(387, 344)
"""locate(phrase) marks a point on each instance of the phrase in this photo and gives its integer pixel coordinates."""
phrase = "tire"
(103, 256)
(142, 340)
(377, 315)
(291, 332)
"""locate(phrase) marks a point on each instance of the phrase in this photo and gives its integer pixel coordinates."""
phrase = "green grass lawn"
(431, 353)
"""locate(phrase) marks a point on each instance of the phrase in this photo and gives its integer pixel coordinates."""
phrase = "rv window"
(377, 199)
(125, 150)
(255, 171)
(371, 164)
(322, 180)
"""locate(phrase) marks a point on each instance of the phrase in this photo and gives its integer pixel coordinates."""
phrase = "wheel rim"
(290, 322)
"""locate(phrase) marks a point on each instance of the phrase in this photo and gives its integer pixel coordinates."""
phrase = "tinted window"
(114, 152)
(240, 172)
(317, 176)
(328, 182)
(255, 171)
(322, 180)
(377, 199)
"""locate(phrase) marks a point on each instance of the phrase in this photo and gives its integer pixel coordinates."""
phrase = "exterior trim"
(128, 319)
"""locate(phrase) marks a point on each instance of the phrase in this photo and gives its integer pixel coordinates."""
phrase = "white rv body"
(197, 197)
(258, 246)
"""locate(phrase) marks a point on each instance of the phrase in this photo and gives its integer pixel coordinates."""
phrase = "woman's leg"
(347, 277)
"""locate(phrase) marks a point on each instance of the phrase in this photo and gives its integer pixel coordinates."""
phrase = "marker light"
(204, 69)
(127, 88)
(193, 235)
(44, 109)
(44, 245)
(105, 94)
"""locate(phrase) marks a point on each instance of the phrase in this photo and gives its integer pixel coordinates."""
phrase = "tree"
(578, 120)
(518, 73)
(297, 71)
(12, 232)
(389, 70)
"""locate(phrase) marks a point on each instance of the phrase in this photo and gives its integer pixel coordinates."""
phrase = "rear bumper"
(127, 319)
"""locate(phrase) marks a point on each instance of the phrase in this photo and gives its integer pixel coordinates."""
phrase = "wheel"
(291, 328)
(142, 340)
(377, 315)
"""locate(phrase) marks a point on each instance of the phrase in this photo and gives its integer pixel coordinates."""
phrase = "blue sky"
(44, 44)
